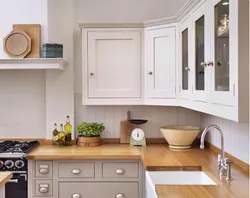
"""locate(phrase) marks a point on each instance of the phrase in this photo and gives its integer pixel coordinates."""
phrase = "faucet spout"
(213, 126)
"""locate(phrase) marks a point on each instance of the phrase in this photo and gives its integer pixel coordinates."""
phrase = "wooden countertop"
(4, 178)
(160, 157)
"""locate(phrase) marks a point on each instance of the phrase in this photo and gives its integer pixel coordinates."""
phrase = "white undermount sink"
(174, 178)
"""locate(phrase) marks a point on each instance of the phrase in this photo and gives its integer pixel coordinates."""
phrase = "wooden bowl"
(180, 137)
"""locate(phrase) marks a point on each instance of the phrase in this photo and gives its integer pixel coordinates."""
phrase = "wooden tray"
(34, 32)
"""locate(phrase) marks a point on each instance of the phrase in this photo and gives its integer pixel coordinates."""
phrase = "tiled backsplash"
(236, 136)
(156, 115)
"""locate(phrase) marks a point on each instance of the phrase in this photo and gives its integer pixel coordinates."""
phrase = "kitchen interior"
(162, 86)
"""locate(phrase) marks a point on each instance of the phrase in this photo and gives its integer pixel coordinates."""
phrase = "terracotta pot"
(89, 141)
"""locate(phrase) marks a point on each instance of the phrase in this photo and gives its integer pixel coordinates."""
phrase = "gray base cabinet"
(86, 179)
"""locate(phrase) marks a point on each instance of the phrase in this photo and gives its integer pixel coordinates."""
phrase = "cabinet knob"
(219, 63)
(44, 170)
(91, 74)
(210, 63)
(76, 195)
(44, 188)
(203, 64)
(76, 171)
(187, 68)
(120, 171)
(150, 73)
(120, 195)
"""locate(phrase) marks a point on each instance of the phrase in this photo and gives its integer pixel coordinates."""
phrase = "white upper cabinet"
(200, 54)
(160, 62)
(185, 74)
(218, 61)
(223, 51)
(112, 65)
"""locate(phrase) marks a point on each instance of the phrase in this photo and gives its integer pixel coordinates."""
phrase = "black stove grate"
(17, 146)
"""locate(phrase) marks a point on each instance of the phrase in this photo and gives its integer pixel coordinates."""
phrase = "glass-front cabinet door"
(185, 70)
(222, 86)
(201, 53)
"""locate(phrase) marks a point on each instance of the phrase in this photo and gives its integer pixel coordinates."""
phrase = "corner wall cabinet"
(112, 65)
(86, 178)
(160, 63)
(198, 60)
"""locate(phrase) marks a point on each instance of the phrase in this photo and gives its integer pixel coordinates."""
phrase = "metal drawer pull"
(120, 171)
(13, 181)
(76, 171)
(120, 195)
(44, 170)
(76, 195)
(44, 188)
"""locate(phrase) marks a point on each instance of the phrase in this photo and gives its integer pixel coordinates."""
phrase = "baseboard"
(238, 162)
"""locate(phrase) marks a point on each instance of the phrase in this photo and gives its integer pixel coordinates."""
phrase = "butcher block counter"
(160, 157)
(4, 178)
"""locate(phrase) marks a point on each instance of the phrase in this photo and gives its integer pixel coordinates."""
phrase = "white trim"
(183, 12)
(111, 25)
(33, 63)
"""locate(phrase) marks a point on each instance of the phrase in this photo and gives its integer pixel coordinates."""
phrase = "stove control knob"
(19, 164)
(1, 164)
(9, 163)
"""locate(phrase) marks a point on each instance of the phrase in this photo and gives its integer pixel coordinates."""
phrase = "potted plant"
(89, 134)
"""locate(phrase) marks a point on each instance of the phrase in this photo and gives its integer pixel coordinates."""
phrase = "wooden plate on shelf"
(17, 44)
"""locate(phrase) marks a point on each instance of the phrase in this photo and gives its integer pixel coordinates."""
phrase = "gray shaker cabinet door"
(98, 189)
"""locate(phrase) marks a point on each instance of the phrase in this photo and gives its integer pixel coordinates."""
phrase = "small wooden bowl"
(89, 141)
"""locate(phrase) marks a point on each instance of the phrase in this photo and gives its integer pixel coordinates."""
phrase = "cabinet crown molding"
(111, 25)
(187, 8)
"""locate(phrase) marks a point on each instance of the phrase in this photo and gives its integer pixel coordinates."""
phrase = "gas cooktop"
(17, 147)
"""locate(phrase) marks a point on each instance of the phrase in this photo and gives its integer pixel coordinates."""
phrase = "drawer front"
(44, 169)
(98, 189)
(120, 169)
(43, 188)
(75, 169)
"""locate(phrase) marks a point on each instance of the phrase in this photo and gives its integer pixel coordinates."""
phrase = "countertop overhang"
(4, 178)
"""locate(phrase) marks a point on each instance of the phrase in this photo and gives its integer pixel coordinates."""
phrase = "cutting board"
(34, 32)
(125, 130)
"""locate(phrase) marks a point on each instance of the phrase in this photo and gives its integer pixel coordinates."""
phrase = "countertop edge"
(4, 178)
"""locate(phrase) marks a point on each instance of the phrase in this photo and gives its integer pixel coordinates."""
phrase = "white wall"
(125, 10)
(22, 93)
(34, 100)
(236, 136)
(21, 12)
(60, 85)
(22, 104)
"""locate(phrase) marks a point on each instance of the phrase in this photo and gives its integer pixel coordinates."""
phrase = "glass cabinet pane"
(185, 68)
(222, 46)
(199, 53)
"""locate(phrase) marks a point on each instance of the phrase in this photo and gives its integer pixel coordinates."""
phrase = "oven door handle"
(13, 181)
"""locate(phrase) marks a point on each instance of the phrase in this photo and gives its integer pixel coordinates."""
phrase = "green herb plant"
(92, 129)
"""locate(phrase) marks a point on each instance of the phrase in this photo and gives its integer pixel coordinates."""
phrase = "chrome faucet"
(223, 163)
